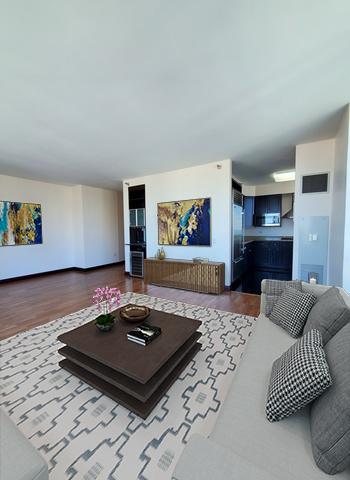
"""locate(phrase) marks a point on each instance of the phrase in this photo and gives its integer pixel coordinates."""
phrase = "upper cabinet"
(137, 197)
(274, 204)
(137, 217)
(137, 203)
(267, 210)
(268, 204)
(248, 211)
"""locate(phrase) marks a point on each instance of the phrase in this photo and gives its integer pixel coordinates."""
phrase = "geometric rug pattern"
(82, 433)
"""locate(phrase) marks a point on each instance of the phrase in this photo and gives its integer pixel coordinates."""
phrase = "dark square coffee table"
(133, 375)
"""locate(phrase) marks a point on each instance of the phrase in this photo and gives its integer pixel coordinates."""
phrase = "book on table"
(143, 334)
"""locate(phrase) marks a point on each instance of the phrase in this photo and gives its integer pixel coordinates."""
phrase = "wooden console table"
(185, 274)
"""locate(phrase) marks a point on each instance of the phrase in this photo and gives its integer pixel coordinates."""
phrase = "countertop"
(267, 239)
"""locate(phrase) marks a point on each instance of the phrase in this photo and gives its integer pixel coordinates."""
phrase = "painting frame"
(35, 229)
(208, 225)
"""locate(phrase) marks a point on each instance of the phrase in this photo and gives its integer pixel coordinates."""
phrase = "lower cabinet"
(267, 260)
(251, 282)
(206, 277)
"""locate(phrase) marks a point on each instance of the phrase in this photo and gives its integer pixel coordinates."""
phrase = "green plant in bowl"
(105, 322)
(105, 299)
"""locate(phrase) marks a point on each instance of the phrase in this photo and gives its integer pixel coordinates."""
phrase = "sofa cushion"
(329, 314)
(19, 460)
(204, 459)
(291, 310)
(273, 289)
(283, 449)
(299, 376)
(330, 414)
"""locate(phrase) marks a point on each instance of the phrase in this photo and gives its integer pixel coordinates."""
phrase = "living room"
(175, 241)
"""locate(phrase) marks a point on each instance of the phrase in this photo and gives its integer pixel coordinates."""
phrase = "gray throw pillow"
(328, 315)
(299, 376)
(291, 310)
(274, 289)
(330, 413)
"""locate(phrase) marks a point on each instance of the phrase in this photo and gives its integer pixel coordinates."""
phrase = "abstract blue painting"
(185, 222)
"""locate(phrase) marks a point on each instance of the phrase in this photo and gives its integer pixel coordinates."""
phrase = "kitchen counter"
(267, 239)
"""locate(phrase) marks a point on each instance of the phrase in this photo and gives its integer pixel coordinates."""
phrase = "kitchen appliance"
(137, 256)
(267, 220)
(136, 263)
(137, 235)
(238, 248)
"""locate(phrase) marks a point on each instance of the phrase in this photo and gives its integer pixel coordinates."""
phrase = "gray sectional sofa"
(243, 444)
(19, 459)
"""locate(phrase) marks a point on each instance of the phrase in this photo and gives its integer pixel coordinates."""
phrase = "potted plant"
(105, 299)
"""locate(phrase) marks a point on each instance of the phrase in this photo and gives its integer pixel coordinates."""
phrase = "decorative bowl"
(134, 313)
(105, 323)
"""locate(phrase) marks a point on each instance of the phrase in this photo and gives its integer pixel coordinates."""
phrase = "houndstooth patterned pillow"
(277, 287)
(273, 289)
(291, 310)
(299, 376)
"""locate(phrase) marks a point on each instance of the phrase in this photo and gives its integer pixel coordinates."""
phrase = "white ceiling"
(93, 91)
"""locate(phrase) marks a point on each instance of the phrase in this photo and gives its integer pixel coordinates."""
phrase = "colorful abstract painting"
(186, 222)
(20, 223)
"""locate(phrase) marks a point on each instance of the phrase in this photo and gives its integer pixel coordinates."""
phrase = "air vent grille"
(237, 198)
(315, 183)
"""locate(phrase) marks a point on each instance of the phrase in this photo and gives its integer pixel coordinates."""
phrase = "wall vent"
(315, 183)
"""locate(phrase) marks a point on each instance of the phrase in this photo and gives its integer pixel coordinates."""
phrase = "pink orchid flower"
(106, 299)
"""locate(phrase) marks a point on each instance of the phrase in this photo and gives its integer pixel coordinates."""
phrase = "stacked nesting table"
(135, 376)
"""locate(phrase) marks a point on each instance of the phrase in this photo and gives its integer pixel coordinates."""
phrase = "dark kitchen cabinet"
(137, 197)
(270, 259)
(260, 205)
(248, 211)
(273, 254)
(274, 204)
(267, 204)
(249, 255)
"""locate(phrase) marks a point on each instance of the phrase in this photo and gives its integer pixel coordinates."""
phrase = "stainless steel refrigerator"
(238, 248)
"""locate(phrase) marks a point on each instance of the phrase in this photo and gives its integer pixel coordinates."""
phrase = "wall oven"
(137, 235)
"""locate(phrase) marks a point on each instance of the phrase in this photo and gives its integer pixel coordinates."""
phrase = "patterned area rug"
(82, 433)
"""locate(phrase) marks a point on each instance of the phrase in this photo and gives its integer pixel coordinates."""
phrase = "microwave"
(267, 220)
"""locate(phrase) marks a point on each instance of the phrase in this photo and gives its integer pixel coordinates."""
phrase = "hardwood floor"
(30, 302)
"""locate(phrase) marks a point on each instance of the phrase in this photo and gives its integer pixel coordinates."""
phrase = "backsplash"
(286, 230)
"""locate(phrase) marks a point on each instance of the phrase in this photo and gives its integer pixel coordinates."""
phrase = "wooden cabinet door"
(132, 217)
(286, 255)
(274, 204)
(260, 206)
(262, 254)
(248, 211)
(267, 204)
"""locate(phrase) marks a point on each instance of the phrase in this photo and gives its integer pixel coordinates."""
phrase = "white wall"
(120, 226)
(312, 158)
(78, 221)
(285, 230)
(202, 181)
(80, 227)
(337, 230)
(346, 257)
(100, 226)
(57, 226)
(269, 188)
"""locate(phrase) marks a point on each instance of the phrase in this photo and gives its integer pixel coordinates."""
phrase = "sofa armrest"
(18, 458)
(203, 459)
(263, 297)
